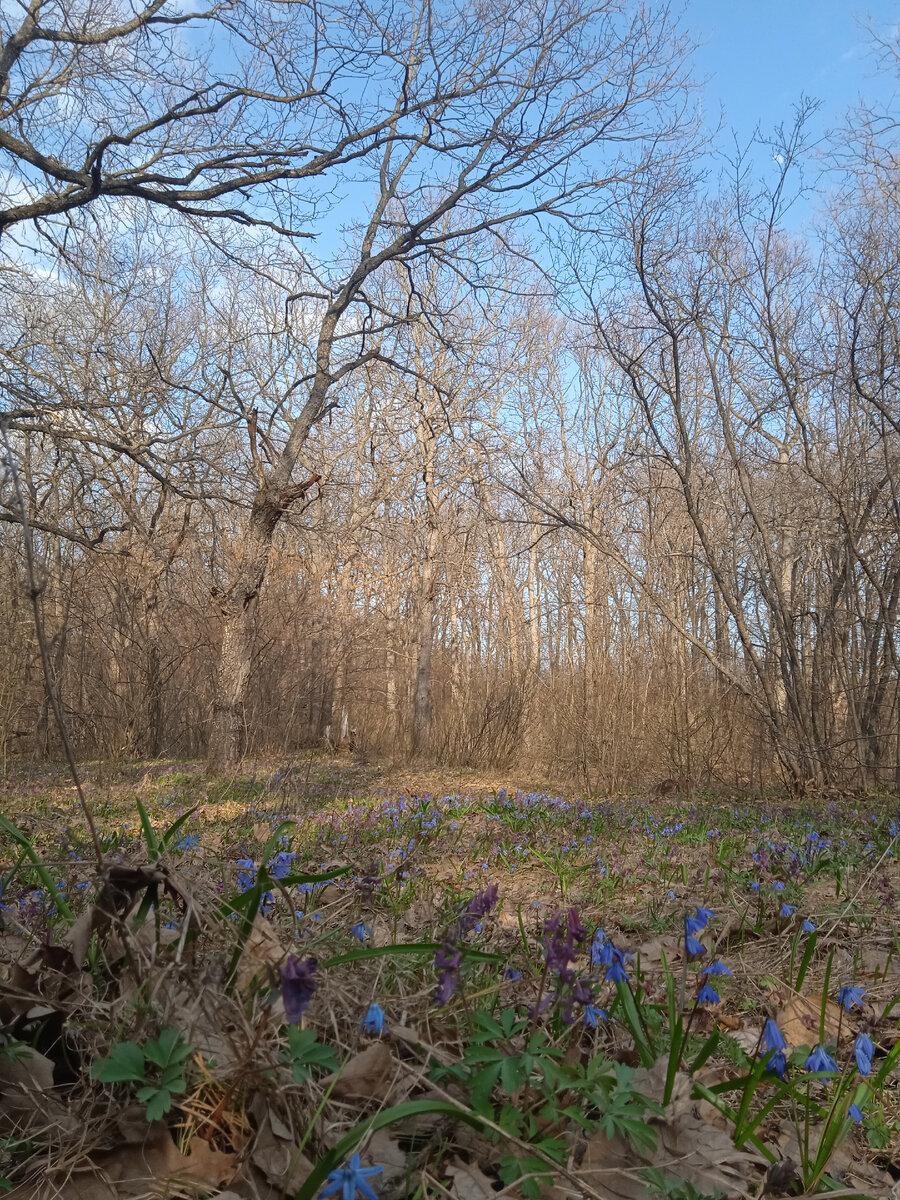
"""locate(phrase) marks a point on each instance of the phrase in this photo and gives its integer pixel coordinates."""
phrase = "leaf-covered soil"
(158, 940)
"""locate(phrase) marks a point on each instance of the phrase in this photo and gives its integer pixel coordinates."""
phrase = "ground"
(505, 998)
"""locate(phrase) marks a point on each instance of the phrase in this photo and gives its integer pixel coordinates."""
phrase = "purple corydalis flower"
(562, 938)
(448, 956)
(298, 984)
(478, 907)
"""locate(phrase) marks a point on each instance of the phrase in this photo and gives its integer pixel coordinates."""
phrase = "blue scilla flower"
(788, 910)
(693, 947)
(347, 1181)
(280, 866)
(512, 974)
(772, 1037)
(777, 1062)
(615, 972)
(247, 874)
(850, 996)
(605, 956)
(717, 968)
(373, 1022)
(361, 931)
(777, 886)
(593, 1015)
(702, 917)
(708, 995)
(808, 926)
(854, 1112)
(754, 886)
(821, 1060)
(863, 1049)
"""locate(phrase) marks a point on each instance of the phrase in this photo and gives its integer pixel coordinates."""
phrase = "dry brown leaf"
(651, 1081)
(652, 951)
(158, 1163)
(26, 1069)
(469, 1181)
(710, 1076)
(261, 951)
(80, 1185)
(747, 1039)
(384, 1149)
(26, 1099)
(840, 1159)
(275, 1153)
(366, 1076)
(728, 1021)
(420, 915)
(799, 1017)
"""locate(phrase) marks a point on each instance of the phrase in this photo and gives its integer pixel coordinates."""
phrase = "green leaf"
(158, 1101)
(488, 1025)
(42, 872)
(305, 1052)
(149, 833)
(513, 1073)
(170, 1047)
(125, 1064)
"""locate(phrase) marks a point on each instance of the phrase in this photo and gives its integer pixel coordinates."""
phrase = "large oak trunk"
(240, 610)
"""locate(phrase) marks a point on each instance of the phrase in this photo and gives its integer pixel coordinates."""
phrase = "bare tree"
(522, 114)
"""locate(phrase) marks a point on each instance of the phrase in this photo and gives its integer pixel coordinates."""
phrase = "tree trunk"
(240, 610)
(422, 708)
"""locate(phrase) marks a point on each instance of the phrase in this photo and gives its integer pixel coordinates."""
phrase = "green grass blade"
(40, 869)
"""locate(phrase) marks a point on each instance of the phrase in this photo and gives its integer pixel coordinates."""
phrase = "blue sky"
(759, 56)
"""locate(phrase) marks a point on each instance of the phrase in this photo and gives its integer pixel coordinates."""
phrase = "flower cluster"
(298, 983)
(693, 947)
(448, 956)
(564, 936)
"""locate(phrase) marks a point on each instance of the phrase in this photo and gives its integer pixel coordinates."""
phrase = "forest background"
(431, 381)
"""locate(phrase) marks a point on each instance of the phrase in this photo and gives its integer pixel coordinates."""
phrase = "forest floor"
(475, 987)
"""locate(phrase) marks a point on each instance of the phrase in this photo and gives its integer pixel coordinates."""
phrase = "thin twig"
(34, 593)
